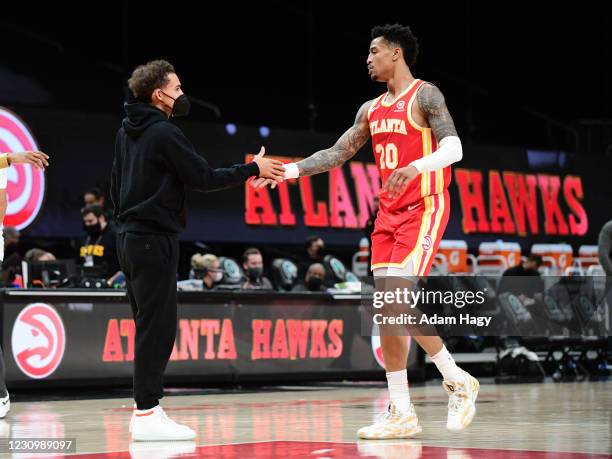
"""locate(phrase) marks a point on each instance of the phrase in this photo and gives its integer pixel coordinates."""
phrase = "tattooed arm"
(433, 108)
(432, 105)
(345, 148)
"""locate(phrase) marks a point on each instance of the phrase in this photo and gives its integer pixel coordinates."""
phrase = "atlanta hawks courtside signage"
(26, 184)
(221, 336)
(38, 340)
(500, 202)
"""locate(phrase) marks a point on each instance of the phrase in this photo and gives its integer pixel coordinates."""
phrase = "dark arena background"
(293, 368)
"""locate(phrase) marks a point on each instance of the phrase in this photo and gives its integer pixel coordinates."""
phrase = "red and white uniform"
(408, 228)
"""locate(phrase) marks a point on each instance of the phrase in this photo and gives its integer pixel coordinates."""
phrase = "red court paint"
(408, 449)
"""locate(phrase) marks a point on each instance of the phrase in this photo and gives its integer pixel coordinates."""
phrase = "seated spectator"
(252, 263)
(94, 197)
(313, 281)
(315, 251)
(38, 255)
(207, 274)
(99, 247)
(524, 288)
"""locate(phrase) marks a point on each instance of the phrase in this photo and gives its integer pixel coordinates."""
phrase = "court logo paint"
(38, 340)
(26, 184)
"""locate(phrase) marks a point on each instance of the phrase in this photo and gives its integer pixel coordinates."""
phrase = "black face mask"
(181, 105)
(314, 284)
(254, 273)
(93, 230)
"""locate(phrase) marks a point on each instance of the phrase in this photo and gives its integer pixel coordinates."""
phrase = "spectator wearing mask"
(206, 272)
(315, 251)
(99, 245)
(313, 281)
(252, 263)
(94, 197)
(511, 278)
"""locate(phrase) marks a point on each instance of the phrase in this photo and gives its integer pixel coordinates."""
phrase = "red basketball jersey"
(398, 140)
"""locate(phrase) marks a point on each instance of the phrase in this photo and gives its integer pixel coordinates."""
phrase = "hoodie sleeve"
(115, 177)
(194, 171)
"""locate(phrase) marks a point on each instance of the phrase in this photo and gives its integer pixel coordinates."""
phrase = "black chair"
(284, 274)
(232, 272)
(335, 269)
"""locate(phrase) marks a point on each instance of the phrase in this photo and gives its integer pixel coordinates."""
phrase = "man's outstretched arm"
(345, 148)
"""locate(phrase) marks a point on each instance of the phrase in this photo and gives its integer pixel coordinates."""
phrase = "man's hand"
(36, 158)
(263, 182)
(399, 179)
(269, 168)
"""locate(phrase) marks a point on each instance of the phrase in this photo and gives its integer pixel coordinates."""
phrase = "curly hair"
(403, 37)
(146, 78)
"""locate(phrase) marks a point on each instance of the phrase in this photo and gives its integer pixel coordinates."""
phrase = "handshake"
(272, 171)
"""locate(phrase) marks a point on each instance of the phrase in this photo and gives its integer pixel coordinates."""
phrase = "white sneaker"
(155, 425)
(5, 406)
(392, 424)
(461, 402)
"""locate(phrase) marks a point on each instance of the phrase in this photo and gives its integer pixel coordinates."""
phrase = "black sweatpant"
(150, 263)
(3, 390)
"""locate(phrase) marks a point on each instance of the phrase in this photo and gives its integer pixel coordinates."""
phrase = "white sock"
(398, 390)
(447, 366)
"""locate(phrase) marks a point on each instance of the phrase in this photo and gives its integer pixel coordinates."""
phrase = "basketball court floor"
(568, 420)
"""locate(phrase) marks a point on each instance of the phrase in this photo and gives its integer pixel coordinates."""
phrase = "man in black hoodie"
(154, 164)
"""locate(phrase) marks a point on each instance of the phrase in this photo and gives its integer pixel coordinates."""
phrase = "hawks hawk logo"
(26, 184)
(426, 243)
(38, 340)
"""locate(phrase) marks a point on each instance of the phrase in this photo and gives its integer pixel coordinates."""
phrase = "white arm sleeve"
(449, 151)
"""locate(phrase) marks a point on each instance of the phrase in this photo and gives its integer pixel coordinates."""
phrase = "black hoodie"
(154, 164)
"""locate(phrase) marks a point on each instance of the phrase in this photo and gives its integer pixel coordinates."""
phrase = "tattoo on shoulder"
(345, 147)
(432, 104)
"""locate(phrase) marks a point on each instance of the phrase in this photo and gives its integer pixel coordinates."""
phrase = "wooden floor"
(571, 420)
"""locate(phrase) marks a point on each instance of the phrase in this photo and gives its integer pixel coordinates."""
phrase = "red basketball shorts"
(411, 235)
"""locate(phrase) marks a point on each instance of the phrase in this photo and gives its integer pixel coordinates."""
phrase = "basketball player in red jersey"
(415, 142)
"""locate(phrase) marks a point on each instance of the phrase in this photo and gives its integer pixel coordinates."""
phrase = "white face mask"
(217, 276)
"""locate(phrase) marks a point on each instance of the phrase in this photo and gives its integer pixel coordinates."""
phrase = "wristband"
(291, 171)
